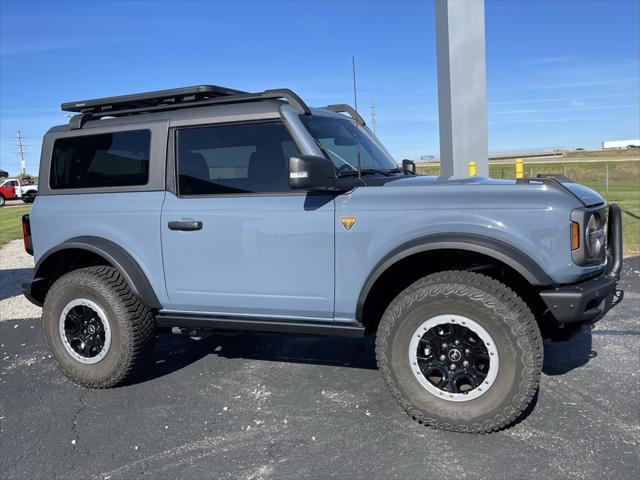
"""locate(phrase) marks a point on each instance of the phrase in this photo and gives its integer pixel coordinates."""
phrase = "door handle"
(188, 225)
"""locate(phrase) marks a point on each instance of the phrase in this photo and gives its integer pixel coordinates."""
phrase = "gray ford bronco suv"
(211, 208)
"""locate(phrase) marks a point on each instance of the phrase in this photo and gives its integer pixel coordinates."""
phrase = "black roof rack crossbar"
(200, 96)
(344, 108)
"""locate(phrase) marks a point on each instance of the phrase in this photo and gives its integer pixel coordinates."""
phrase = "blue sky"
(559, 73)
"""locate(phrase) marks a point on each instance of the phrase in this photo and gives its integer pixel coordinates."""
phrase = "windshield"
(342, 142)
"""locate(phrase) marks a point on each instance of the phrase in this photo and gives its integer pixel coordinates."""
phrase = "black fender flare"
(113, 253)
(497, 249)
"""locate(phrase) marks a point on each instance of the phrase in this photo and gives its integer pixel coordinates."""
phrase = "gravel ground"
(14, 203)
(16, 267)
(258, 406)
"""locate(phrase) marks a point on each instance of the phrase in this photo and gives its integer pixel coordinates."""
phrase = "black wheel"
(460, 351)
(98, 331)
(28, 197)
(2, 201)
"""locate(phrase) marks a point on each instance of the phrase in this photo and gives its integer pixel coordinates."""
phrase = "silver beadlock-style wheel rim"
(85, 331)
(454, 358)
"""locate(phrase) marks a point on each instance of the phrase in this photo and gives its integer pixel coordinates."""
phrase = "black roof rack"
(344, 108)
(148, 99)
(163, 100)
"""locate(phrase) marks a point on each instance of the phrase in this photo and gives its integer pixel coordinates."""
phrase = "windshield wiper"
(365, 171)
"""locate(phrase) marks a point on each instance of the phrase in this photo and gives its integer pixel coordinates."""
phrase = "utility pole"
(23, 166)
(373, 114)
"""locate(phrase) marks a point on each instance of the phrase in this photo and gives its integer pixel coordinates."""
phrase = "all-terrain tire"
(496, 308)
(131, 323)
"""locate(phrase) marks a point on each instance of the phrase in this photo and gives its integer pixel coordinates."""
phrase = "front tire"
(98, 331)
(2, 201)
(460, 351)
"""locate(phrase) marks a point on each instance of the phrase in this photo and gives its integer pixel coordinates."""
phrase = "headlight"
(594, 235)
(588, 236)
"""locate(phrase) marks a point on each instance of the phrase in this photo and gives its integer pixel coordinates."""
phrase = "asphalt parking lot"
(263, 406)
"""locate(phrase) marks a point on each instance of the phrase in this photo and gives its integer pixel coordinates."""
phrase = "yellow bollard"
(472, 169)
(519, 168)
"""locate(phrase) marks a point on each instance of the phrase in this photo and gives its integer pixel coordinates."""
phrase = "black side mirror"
(408, 167)
(309, 172)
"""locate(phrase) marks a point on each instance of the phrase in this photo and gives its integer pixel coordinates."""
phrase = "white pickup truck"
(26, 192)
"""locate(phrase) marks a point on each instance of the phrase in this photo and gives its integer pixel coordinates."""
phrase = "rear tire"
(98, 331)
(2, 201)
(476, 311)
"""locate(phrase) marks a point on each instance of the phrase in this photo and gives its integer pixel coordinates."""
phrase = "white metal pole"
(462, 86)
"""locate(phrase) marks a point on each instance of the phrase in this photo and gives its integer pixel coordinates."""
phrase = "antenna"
(373, 114)
(355, 92)
(355, 102)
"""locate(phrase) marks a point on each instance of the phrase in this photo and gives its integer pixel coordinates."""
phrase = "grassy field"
(623, 152)
(624, 187)
(11, 223)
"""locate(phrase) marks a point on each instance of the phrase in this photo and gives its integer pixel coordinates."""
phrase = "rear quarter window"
(115, 159)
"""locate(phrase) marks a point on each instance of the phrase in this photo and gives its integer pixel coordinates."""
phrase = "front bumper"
(589, 301)
(585, 302)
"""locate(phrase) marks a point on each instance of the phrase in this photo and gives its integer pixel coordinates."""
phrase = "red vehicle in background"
(6, 193)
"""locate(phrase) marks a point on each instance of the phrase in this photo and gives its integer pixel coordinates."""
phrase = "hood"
(587, 196)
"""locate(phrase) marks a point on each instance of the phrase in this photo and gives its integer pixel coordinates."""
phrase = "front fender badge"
(348, 222)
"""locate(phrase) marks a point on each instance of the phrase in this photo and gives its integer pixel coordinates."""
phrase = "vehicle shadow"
(562, 357)
(11, 281)
(307, 349)
(174, 352)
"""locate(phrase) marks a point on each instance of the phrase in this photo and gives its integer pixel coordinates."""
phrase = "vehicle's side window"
(238, 158)
(104, 160)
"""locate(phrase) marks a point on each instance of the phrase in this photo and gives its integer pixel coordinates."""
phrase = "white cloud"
(547, 61)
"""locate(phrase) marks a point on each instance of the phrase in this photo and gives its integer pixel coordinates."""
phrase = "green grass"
(624, 187)
(623, 152)
(11, 222)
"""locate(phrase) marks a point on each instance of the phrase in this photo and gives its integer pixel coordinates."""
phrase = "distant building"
(617, 144)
